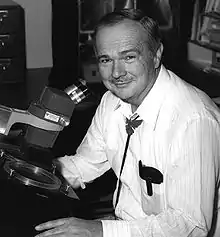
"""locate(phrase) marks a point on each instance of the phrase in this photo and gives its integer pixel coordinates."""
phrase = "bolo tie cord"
(122, 165)
(130, 127)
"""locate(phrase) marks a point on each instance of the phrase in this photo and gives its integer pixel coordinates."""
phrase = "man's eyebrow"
(132, 50)
(102, 56)
(124, 52)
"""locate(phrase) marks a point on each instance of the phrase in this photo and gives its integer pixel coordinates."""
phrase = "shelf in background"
(210, 46)
(204, 57)
(215, 15)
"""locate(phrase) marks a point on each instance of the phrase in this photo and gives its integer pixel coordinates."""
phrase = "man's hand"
(70, 227)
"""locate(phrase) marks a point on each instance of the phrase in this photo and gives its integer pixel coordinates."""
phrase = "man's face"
(126, 65)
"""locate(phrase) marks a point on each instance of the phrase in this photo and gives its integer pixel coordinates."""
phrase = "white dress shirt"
(179, 136)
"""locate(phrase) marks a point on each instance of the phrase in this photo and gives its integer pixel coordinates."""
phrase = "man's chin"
(122, 96)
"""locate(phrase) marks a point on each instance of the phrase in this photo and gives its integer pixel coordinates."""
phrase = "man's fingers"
(53, 232)
(50, 224)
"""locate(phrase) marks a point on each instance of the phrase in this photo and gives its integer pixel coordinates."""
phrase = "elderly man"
(159, 134)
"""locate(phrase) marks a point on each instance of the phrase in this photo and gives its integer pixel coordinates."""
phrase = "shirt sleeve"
(90, 160)
(190, 187)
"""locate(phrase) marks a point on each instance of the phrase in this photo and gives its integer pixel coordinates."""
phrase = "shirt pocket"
(152, 204)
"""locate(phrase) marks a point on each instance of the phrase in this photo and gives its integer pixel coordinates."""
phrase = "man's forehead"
(120, 38)
(126, 27)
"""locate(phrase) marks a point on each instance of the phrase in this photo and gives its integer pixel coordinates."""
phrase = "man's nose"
(118, 69)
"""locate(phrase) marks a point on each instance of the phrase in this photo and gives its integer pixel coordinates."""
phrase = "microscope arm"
(10, 116)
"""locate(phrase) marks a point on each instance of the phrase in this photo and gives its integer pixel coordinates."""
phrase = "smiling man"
(158, 133)
(127, 65)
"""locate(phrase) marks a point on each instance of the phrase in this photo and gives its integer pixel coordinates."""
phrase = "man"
(178, 139)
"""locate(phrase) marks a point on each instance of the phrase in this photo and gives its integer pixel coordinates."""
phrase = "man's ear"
(158, 56)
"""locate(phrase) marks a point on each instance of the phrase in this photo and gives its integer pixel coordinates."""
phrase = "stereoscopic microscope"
(44, 120)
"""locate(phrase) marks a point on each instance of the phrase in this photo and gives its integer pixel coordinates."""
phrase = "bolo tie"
(147, 173)
(130, 125)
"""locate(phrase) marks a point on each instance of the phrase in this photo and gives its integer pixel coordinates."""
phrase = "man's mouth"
(121, 83)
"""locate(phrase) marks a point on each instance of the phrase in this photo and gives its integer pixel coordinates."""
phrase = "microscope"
(44, 120)
(47, 116)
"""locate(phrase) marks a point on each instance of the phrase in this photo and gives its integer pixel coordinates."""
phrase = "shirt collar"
(150, 107)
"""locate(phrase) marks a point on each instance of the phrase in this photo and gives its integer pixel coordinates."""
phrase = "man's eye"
(130, 58)
(104, 60)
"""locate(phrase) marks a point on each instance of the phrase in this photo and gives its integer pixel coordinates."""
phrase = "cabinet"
(12, 43)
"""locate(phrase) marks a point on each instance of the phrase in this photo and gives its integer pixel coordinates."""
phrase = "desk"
(23, 207)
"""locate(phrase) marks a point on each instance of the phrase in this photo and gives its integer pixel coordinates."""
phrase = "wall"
(38, 17)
